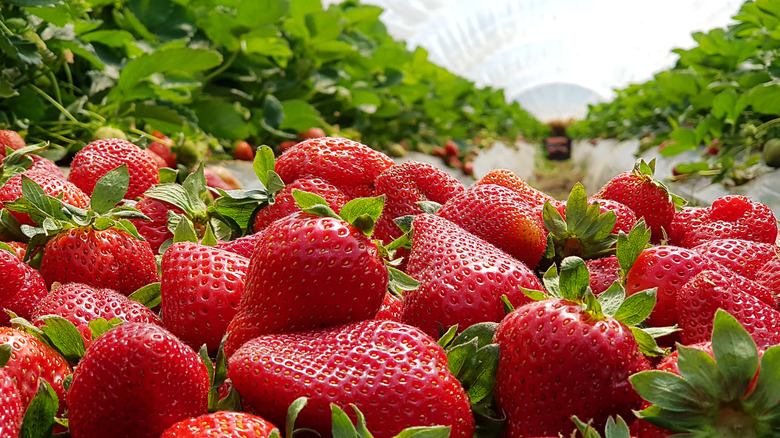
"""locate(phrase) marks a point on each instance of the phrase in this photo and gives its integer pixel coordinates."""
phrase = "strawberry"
(12, 414)
(221, 424)
(310, 271)
(451, 148)
(347, 164)
(741, 256)
(18, 248)
(462, 278)
(729, 217)
(101, 156)
(243, 151)
(404, 186)
(45, 165)
(10, 139)
(684, 219)
(708, 291)
(51, 185)
(140, 369)
(769, 275)
(499, 216)
(603, 272)
(243, 246)
(158, 160)
(201, 288)
(214, 180)
(548, 347)
(21, 287)
(284, 203)
(645, 195)
(508, 179)
(395, 374)
(80, 304)
(32, 361)
(285, 145)
(162, 148)
(391, 310)
(154, 231)
(313, 132)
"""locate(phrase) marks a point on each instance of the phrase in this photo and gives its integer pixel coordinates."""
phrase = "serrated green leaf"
(264, 163)
(630, 245)
(735, 352)
(32, 192)
(668, 391)
(637, 307)
(64, 337)
(100, 326)
(110, 189)
(553, 220)
(482, 381)
(574, 279)
(647, 344)
(459, 355)
(39, 418)
(181, 59)
(612, 298)
(148, 295)
(356, 208)
(275, 183)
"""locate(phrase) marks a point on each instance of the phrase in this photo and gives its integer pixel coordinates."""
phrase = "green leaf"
(64, 337)
(646, 342)
(482, 380)
(448, 336)
(203, 352)
(735, 352)
(400, 282)
(292, 414)
(612, 298)
(673, 420)
(168, 175)
(576, 206)
(630, 245)
(553, 220)
(637, 307)
(313, 203)
(263, 164)
(255, 13)
(299, 115)
(429, 207)
(5, 354)
(667, 390)
(767, 387)
(273, 114)
(574, 279)
(231, 402)
(363, 213)
(44, 203)
(483, 332)
(459, 355)
(181, 59)
(184, 231)
(425, 432)
(110, 189)
(765, 98)
(100, 326)
(536, 295)
(342, 425)
(209, 239)
(617, 429)
(148, 295)
(699, 368)
(39, 418)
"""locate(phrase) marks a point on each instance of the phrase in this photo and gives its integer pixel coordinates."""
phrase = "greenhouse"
(389, 218)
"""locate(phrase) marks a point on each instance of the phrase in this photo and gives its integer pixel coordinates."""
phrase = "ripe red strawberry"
(729, 217)
(603, 272)
(51, 185)
(646, 196)
(31, 361)
(109, 258)
(501, 217)
(214, 180)
(155, 231)
(162, 147)
(462, 278)
(10, 139)
(451, 148)
(685, 219)
(769, 275)
(243, 246)
(12, 413)
(549, 348)
(98, 157)
(21, 287)
(306, 272)
(313, 132)
(221, 424)
(243, 151)
(41, 164)
(508, 179)
(404, 186)
(80, 304)
(158, 160)
(19, 248)
(284, 203)
(741, 256)
(136, 380)
(395, 374)
(347, 164)
(391, 310)
(708, 291)
(285, 145)
(201, 288)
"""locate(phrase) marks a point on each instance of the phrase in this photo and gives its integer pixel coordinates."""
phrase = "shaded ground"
(556, 178)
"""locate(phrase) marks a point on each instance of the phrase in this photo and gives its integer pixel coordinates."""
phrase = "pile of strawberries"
(351, 296)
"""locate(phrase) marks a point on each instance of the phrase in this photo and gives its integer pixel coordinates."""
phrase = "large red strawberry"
(308, 271)
(136, 380)
(21, 287)
(200, 291)
(741, 256)
(10, 139)
(395, 374)
(502, 217)
(97, 158)
(51, 185)
(729, 217)
(32, 360)
(510, 180)
(222, 424)
(550, 348)
(769, 275)
(645, 195)
(12, 412)
(603, 273)
(347, 164)
(404, 186)
(284, 203)
(463, 278)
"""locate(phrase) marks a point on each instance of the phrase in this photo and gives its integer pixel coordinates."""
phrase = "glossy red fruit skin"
(735, 217)
(347, 164)
(685, 219)
(741, 256)
(41, 164)
(284, 203)
(507, 178)
(31, 361)
(462, 278)
(51, 185)
(10, 139)
(243, 246)
(12, 413)
(201, 288)
(313, 132)
(140, 369)
(555, 362)
(156, 230)
(101, 156)
(21, 287)
(243, 151)
(107, 259)
(769, 274)
(644, 197)
(307, 272)
(223, 424)
(163, 149)
(501, 217)
(603, 272)
(406, 184)
(80, 304)
(395, 374)
(391, 310)
(708, 291)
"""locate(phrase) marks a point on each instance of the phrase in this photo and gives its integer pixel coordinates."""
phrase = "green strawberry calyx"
(585, 233)
(613, 429)
(52, 216)
(733, 394)
(572, 284)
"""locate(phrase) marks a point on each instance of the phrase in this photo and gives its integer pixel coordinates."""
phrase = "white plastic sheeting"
(553, 56)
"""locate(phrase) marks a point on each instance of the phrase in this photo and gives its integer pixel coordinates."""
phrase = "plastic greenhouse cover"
(553, 56)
